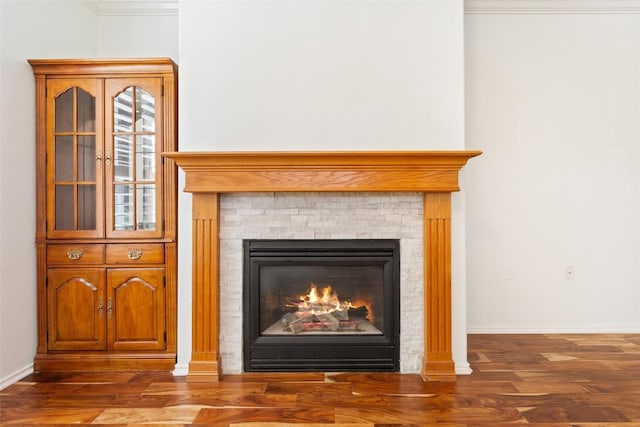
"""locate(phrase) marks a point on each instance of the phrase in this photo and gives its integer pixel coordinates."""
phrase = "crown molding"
(133, 7)
(541, 7)
(170, 7)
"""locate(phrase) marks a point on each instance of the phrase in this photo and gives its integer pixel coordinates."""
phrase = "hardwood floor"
(540, 380)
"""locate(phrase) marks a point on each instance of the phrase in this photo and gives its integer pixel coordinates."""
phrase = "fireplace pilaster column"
(205, 362)
(438, 359)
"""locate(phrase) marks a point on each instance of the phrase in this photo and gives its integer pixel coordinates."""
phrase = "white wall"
(554, 102)
(321, 75)
(29, 29)
(124, 36)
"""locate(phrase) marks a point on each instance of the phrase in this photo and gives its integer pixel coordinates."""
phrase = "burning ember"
(318, 313)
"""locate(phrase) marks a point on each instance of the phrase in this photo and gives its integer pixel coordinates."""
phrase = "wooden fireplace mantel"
(434, 173)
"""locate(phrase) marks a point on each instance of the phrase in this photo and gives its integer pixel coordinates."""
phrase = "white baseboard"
(16, 376)
(463, 369)
(546, 330)
(181, 370)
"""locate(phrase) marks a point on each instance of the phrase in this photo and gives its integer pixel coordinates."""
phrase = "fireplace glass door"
(321, 305)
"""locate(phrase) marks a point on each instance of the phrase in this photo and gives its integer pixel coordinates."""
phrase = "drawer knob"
(74, 253)
(134, 253)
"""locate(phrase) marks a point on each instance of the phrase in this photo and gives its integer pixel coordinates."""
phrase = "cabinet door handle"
(134, 253)
(107, 159)
(98, 158)
(109, 308)
(75, 253)
(100, 308)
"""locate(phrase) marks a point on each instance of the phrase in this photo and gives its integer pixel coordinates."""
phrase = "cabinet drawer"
(144, 253)
(75, 254)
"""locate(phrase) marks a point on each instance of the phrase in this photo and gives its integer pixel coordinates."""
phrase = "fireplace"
(321, 305)
(207, 175)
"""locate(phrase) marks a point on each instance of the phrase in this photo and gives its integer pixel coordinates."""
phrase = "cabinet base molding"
(94, 362)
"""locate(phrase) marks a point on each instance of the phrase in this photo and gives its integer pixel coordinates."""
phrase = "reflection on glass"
(145, 111)
(86, 207)
(123, 207)
(64, 207)
(145, 158)
(123, 111)
(146, 206)
(134, 149)
(86, 112)
(123, 157)
(64, 158)
(87, 158)
(64, 112)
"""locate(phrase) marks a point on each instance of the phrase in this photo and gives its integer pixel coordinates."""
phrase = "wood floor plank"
(309, 387)
(575, 413)
(200, 388)
(312, 400)
(211, 416)
(408, 416)
(237, 400)
(171, 415)
(43, 416)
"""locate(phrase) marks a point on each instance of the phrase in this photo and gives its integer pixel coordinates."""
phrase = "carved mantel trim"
(435, 173)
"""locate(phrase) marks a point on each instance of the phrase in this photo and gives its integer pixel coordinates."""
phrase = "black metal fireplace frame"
(322, 352)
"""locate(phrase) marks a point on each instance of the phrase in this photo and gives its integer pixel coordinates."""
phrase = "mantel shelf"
(424, 171)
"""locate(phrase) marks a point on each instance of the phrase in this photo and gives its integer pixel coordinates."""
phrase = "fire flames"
(328, 302)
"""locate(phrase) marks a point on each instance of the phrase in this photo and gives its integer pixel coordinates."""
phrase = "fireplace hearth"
(321, 305)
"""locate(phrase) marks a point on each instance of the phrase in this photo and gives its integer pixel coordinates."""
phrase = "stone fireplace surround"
(330, 216)
(208, 174)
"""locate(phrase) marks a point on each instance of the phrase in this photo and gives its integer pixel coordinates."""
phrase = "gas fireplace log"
(341, 314)
(298, 316)
(294, 322)
(359, 312)
(328, 321)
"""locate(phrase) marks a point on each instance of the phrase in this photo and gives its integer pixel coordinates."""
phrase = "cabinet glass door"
(133, 160)
(74, 138)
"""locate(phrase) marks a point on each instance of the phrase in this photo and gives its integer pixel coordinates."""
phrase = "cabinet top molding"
(428, 171)
(111, 66)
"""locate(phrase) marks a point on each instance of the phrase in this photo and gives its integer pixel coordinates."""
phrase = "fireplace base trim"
(438, 370)
(205, 370)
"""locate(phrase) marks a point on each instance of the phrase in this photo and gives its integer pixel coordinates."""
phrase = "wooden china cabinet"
(106, 214)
